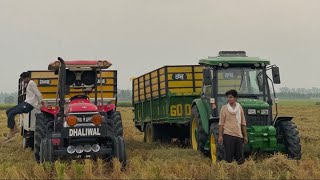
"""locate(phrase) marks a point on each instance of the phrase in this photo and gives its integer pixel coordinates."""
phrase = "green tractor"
(267, 132)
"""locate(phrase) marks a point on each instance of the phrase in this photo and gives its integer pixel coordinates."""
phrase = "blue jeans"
(18, 109)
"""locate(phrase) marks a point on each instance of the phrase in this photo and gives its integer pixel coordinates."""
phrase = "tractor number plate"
(80, 132)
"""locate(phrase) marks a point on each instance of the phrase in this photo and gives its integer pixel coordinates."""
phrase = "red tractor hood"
(81, 106)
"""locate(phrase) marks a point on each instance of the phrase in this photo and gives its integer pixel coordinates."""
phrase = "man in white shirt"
(33, 98)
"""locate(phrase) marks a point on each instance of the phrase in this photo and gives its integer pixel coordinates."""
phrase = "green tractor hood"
(247, 103)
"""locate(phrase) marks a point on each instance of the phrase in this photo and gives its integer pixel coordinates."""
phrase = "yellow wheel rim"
(213, 149)
(194, 129)
(149, 136)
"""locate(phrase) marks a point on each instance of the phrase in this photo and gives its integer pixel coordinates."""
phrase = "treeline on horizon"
(126, 95)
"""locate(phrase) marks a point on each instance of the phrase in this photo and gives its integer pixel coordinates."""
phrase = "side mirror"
(276, 75)
(207, 77)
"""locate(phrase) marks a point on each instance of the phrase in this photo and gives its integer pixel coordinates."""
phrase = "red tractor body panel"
(81, 105)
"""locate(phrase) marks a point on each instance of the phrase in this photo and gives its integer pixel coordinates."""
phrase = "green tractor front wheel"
(288, 134)
(216, 150)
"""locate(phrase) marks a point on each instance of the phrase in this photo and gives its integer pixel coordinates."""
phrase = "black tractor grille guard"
(257, 120)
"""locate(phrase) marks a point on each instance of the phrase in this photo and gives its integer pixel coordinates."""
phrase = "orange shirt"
(229, 122)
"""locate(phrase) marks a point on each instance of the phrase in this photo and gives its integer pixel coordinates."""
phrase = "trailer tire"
(150, 133)
(198, 137)
(28, 143)
(291, 139)
(117, 122)
(217, 152)
(119, 149)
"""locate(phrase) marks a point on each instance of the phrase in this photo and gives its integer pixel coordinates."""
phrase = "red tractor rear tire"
(117, 122)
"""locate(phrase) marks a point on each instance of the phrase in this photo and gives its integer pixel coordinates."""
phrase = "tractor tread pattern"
(117, 122)
(291, 139)
(202, 135)
(214, 129)
(39, 133)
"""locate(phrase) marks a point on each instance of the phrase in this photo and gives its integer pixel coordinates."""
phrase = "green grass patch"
(124, 104)
(299, 102)
(6, 106)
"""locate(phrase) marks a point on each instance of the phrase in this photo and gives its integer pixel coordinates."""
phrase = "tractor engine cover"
(81, 105)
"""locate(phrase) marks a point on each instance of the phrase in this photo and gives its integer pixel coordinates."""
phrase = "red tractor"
(79, 126)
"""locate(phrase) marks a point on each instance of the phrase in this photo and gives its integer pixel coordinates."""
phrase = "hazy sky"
(138, 36)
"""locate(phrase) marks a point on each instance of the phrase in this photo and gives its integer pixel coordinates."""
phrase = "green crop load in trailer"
(162, 101)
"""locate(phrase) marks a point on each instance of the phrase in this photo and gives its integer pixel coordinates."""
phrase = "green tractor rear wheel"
(198, 136)
(289, 135)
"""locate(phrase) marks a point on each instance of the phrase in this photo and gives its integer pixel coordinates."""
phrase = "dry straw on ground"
(167, 161)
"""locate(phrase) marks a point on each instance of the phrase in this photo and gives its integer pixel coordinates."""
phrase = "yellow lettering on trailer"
(177, 110)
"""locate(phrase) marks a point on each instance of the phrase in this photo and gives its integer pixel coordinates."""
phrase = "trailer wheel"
(216, 150)
(289, 135)
(27, 142)
(198, 136)
(120, 150)
(40, 132)
(150, 133)
(117, 120)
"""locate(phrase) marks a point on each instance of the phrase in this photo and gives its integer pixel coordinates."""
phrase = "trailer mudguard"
(203, 111)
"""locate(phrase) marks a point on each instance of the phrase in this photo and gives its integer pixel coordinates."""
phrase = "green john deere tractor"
(267, 132)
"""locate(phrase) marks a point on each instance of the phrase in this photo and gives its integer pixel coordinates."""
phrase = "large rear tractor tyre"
(198, 137)
(38, 135)
(150, 133)
(120, 150)
(289, 135)
(216, 150)
(110, 127)
(117, 122)
(40, 132)
(46, 150)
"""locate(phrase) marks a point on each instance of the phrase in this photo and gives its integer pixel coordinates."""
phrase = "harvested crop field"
(168, 161)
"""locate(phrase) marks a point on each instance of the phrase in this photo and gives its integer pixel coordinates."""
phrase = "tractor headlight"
(252, 111)
(264, 111)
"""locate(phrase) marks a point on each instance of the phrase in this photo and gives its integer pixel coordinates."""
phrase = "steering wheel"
(79, 97)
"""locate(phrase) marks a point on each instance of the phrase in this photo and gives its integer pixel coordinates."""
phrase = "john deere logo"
(179, 76)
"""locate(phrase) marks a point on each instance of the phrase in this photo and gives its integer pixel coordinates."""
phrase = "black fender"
(280, 119)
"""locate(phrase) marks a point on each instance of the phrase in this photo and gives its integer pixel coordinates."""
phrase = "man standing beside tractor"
(233, 129)
(33, 97)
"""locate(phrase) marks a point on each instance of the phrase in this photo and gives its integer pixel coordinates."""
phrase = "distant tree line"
(126, 94)
(299, 93)
(8, 98)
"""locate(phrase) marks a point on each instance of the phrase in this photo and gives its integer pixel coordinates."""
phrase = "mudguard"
(281, 118)
(203, 111)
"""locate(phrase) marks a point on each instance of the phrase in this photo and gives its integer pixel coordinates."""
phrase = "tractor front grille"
(256, 120)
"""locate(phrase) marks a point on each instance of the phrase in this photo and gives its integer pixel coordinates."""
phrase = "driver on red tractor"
(33, 98)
